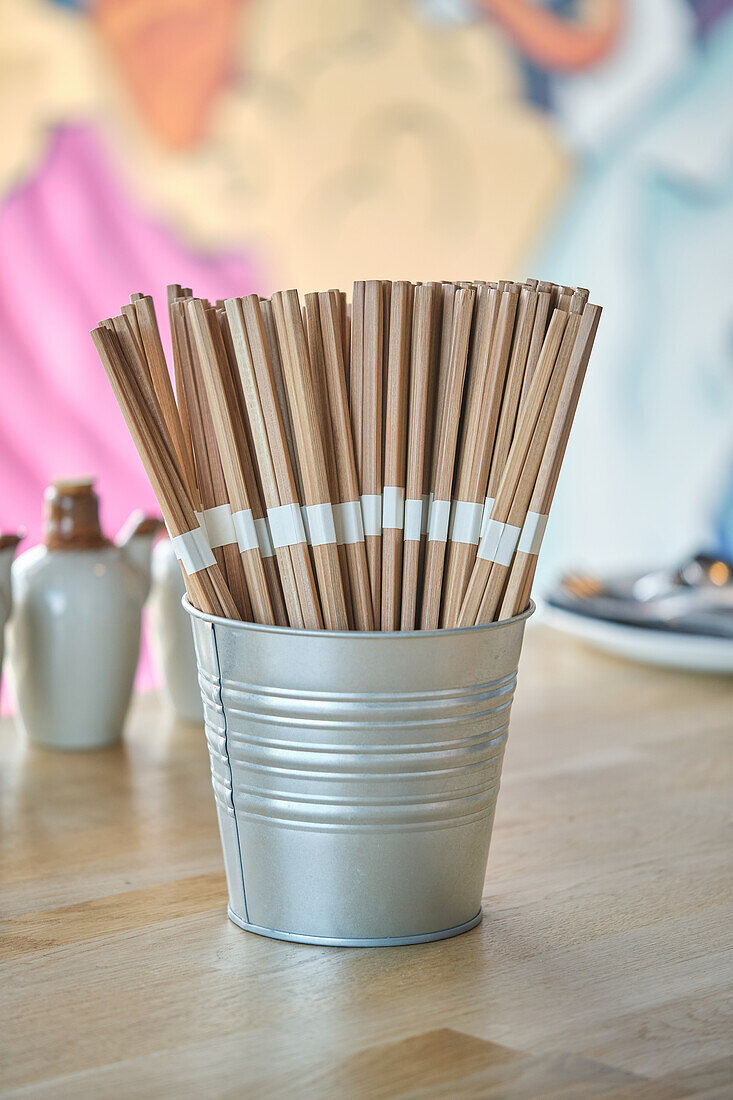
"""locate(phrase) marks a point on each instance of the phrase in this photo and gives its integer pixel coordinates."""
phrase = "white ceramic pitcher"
(171, 635)
(75, 632)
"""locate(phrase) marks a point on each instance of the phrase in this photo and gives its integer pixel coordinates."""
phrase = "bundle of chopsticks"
(383, 464)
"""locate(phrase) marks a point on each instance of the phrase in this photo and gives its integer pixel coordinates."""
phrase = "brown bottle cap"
(71, 516)
(7, 540)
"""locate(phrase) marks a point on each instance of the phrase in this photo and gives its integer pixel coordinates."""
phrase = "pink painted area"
(74, 245)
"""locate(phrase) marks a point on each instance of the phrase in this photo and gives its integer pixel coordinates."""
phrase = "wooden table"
(603, 965)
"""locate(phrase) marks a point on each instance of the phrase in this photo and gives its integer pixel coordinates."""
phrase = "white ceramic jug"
(75, 632)
(171, 638)
(8, 544)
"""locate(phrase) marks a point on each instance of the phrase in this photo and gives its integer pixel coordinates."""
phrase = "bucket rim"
(295, 632)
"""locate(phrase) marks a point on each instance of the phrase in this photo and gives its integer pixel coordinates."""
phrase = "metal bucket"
(356, 774)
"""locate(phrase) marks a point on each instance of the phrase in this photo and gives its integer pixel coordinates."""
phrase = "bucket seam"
(229, 765)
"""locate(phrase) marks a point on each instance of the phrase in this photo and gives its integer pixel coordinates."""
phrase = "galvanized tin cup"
(356, 774)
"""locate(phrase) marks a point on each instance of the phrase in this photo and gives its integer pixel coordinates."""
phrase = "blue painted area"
(722, 528)
(708, 12)
(648, 227)
(537, 81)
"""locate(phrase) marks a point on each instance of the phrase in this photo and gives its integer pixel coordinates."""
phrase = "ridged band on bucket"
(356, 774)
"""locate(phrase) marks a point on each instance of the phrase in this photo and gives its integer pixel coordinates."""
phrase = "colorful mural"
(239, 144)
(648, 223)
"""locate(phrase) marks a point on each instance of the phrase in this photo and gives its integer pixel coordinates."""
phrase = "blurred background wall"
(238, 145)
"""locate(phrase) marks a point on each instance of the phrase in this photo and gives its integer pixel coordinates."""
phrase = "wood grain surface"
(602, 967)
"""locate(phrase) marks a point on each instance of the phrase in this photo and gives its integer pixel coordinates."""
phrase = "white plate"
(655, 647)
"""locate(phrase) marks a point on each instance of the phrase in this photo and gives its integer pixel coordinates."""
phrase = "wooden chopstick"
(522, 490)
(371, 421)
(174, 295)
(483, 398)
(425, 307)
(395, 450)
(251, 473)
(316, 352)
(539, 328)
(299, 384)
(227, 557)
(512, 389)
(348, 485)
(519, 584)
(520, 445)
(442, 367)
(210, 489)
(206, 587)
(161, 379)
(345, 313)
(249, 338)
(356, 374)
(431, 439)
(445, 458)
(275, 359)
(211, 361)
(377, 464)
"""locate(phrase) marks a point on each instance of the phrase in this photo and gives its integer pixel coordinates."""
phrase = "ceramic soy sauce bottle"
(172, 637)
(75, 633)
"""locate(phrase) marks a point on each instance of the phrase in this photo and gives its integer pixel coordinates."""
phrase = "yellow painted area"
(354, 138)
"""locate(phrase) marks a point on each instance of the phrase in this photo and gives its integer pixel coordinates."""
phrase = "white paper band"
(319, 525)
(371, 511)
(348, 522)
(217, 523)
(533, 532)
(439, 520)
(286, 525)
(413, 519)
(465, 521)
(262, 528)
(488, 505)
(193, 551)
(498, 542)
(244, 526)
(393, 507)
